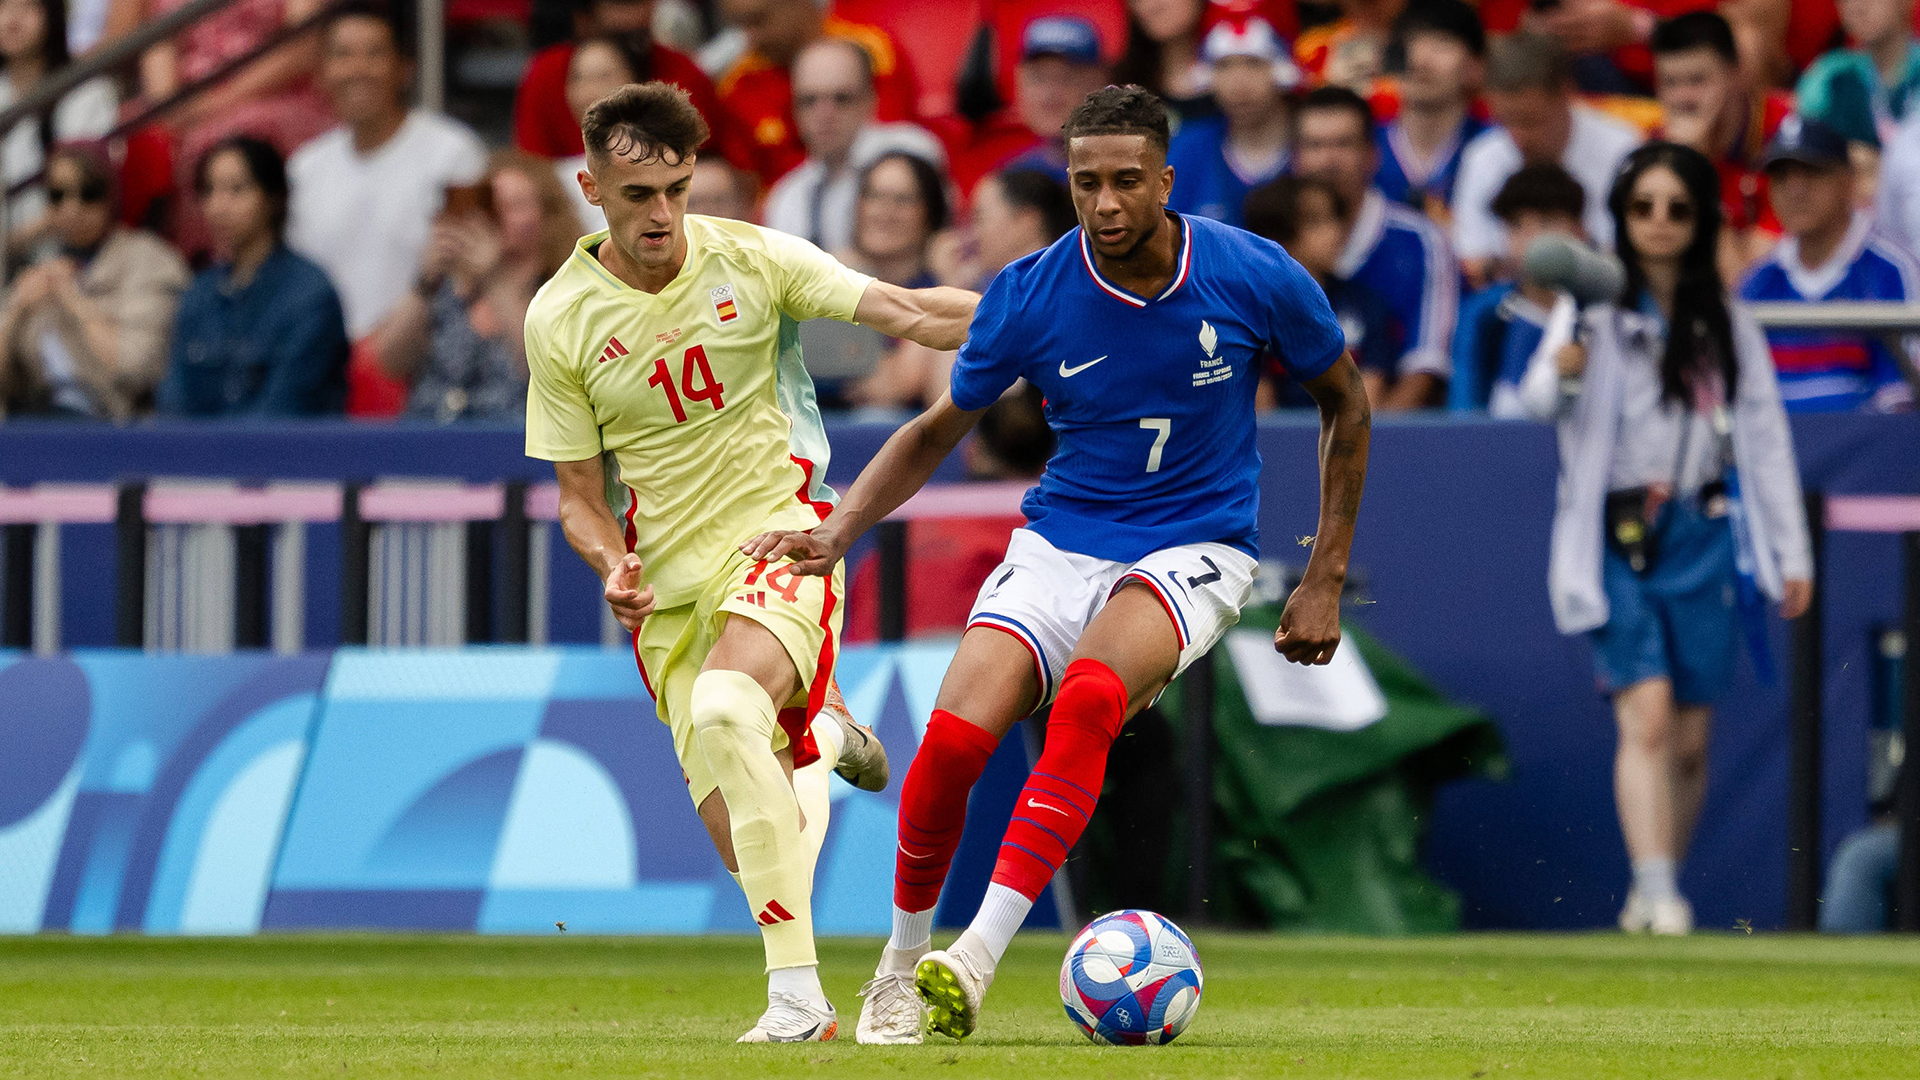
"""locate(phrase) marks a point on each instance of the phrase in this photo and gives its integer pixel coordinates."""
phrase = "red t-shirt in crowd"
(542, 123)
(760, 94)
(1743, 183)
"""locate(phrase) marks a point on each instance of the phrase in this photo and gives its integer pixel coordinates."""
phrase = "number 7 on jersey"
(1164, 426)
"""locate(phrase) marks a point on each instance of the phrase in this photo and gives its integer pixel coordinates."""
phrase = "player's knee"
(730, 713)
(1092, 696)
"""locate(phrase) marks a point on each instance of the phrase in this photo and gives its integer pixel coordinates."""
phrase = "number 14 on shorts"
(781, 580)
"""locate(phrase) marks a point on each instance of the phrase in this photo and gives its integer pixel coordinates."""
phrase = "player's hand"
(629, 597)
(1310, 626)
(1797, 598)
(812, 555)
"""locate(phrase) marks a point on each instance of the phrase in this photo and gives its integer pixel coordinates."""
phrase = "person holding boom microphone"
(1678, 502)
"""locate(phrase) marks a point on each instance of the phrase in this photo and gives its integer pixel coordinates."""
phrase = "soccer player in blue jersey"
(1143, 329)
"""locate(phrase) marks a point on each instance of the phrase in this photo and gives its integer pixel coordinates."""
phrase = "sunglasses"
(87, 193)
(1677, 211)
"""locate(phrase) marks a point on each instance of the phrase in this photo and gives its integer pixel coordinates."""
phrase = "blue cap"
(1808, 142)
(1067, 36)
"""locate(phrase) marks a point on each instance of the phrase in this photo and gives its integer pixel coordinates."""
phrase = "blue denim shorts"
(1678, 619)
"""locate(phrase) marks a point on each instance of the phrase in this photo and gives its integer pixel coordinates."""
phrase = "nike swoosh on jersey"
(1069, 372)
(1044, 806)
(911, 855)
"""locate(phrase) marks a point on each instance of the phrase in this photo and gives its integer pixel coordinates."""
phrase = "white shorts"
(1046, 597)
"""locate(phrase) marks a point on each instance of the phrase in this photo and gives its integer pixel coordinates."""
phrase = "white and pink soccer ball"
(1131, 978)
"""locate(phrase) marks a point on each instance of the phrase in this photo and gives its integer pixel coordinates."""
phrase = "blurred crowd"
(256, 220)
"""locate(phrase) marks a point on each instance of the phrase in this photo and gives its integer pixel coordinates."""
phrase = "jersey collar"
(1815, 282)
(1179, 274)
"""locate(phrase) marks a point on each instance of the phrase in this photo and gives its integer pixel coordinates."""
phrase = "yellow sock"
(734, 720)
(810, 787)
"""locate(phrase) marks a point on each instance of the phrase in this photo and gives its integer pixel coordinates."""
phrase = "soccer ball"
(1131, 978)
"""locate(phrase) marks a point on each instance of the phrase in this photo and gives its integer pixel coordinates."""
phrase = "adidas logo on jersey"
(613, 351)
(773, 913)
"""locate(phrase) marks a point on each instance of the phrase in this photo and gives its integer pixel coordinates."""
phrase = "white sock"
(1000, 916)
(1655, 879)
(830, 737)
(912, 930)
(801, 982)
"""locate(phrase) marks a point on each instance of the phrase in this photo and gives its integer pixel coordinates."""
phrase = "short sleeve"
(1301, 330)
(813, 284)
(560, 422)
(1477, 234)
(989, 361)
(467, 156)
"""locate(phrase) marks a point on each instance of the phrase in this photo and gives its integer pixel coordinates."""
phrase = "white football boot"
(891, 1013)
(790, 1019)
(863, 760)
(953, 985)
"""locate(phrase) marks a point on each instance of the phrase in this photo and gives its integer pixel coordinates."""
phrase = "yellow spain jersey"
(698, 391)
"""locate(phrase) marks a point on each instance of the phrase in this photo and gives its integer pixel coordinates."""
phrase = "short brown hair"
(1528, 61)
(644, 121)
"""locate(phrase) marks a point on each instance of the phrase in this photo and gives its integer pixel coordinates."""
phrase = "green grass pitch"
(1496, 1006)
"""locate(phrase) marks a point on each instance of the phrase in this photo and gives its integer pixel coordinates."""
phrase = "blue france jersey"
(1151, 399)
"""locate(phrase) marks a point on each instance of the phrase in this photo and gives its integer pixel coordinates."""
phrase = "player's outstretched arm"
(901, 468)
(1310, 626)
(936, 317)
(597, 539)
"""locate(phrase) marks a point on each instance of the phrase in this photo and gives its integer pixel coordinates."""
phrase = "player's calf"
(735, 721)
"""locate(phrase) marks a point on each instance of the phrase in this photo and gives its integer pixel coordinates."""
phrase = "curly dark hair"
(1120, 110)
(641, 122)
(1700, 333)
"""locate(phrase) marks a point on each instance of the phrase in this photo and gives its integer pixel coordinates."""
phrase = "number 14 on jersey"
(692, 364)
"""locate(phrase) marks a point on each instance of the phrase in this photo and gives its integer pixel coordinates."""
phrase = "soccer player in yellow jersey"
(670, 340)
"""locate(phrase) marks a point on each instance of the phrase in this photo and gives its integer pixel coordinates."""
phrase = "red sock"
(1059, 796)
(933, 807)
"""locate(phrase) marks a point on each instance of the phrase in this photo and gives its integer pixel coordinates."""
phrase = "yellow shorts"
(672, 644)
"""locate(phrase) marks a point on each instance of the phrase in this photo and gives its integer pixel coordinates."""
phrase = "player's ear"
(587, 186)
(1166, 184)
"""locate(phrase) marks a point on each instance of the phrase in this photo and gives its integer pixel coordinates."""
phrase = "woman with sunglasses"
(1674, 453)
(83, 332)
